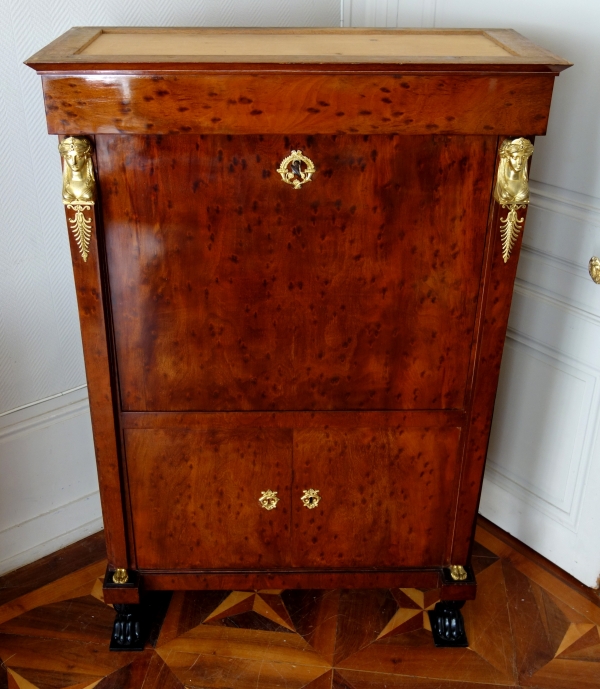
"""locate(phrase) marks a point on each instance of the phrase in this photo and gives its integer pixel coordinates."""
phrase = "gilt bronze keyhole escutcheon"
(296, 169)
(310, 498)
(268, 499)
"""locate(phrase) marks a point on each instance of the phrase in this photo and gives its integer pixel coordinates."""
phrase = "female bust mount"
(78, 172)
(78, 189)
(512, 189)
(512, 184)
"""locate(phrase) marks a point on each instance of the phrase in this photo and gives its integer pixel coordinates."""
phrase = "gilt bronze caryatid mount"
(78, 188)
(512, 189)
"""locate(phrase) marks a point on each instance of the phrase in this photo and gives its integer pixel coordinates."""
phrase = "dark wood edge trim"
(217, 580)
(322, 66)
(478, 335)
(127, 517)
(245, 580)
(285, 419)
(591, 594)
(291, 571)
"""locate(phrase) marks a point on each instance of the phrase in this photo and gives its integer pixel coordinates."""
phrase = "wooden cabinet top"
(131, 48)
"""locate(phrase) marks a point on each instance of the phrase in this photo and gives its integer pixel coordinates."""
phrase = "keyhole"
(296, 168)
(311, 500)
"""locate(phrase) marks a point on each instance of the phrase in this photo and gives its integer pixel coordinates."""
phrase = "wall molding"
(565, 202)
(529, 290)
(43, 400)
(58, 522)
(47, 460)
(563, 509)
(567, 514)
(389, 13)
(553, 261)
(44, 413)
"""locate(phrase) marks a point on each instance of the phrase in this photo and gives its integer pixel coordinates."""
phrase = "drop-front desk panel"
(294, 253)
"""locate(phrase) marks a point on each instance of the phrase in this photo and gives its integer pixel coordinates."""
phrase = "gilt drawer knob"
(292, 171)
(310, 498)
(268, 499)
(594, 269)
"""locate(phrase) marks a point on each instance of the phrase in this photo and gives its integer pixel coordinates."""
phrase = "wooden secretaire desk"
(294, 253)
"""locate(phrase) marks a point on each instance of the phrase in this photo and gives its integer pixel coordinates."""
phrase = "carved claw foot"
(129, 628)
(447, 624)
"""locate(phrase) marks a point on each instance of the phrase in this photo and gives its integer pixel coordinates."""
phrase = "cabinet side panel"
(496, 298)
(91, 301)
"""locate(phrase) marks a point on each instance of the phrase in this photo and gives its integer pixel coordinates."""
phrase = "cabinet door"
(386, 496)
(232, 290)
(195, 497)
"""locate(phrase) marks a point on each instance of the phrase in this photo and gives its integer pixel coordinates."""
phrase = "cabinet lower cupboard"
(294, 253)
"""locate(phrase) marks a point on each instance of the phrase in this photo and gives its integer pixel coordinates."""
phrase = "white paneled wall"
(48, 487)
(390, 13)
(543, 476)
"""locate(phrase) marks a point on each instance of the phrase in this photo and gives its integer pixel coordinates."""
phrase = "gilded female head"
(78, 171)
(512, 184)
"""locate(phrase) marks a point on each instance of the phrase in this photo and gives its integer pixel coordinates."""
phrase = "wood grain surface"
(234, 291)
(194, 491)
(289, 103)
(386, 496)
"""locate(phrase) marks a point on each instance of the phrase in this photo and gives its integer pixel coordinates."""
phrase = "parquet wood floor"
(527, 628)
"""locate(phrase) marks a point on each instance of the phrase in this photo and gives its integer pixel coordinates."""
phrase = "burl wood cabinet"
(294, 253)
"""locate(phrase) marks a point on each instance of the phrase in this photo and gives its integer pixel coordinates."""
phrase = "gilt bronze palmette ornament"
(512, 189)
(78, 188)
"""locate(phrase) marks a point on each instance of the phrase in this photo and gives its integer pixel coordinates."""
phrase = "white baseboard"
(48, 485)
(56, 529)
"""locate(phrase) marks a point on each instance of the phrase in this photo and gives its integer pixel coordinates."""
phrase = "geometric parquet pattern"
(526, 629)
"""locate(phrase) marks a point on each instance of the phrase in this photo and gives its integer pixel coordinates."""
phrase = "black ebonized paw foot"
(129, 631)
(447, 624)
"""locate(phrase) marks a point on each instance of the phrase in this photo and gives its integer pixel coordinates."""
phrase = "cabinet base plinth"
(447, 624)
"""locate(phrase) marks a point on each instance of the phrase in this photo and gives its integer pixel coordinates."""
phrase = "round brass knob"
(458, 572)
(594, 269)
(120, 576)
(310, 498)
(268, 499)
